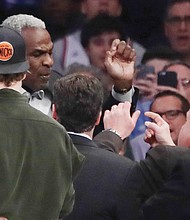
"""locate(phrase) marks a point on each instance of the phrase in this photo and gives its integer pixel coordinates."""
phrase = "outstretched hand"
(120, 62)
(158, 131)
(120, 120)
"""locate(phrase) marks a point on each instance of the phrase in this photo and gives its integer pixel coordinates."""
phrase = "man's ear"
(24, 76)
(98, 119)
(87, 51)
(54, 113)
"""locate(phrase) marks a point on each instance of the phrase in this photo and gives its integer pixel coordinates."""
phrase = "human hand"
(120, 120)
(146, 86)
(2, 218)
(157, 132)
(119, 63)
(160, 88)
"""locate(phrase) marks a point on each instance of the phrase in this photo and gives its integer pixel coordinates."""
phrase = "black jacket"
(102, 183)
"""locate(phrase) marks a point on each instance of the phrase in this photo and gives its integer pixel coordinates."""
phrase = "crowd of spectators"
(123, 88)
(142, 19)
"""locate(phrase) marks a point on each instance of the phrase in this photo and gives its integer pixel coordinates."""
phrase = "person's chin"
(42, 85)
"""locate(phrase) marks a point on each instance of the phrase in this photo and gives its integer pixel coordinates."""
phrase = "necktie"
(38, 94)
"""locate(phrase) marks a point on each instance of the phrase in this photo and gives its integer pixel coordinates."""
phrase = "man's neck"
(27, 89)
(85, 134)
(90, 133)
(17, 86)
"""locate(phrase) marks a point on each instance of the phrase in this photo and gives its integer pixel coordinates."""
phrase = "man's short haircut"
(160, 52)
(20, 21)
(101, 24)
(98, 73)
(8, 79)
(170, 3)
(185, 105)
(177, 62)
(78, 99)
(78, 67)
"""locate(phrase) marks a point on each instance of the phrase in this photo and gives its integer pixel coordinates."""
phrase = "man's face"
(39, 53)
(183, 76)
(158, 64)
(184, 137)
(98, 46)
(171, 113)
(177, 27)
(91, 8)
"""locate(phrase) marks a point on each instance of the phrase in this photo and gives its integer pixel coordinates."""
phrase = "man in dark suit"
(100, 187)
(159, 184)
(158, 188)
(171, 169)
(113, 187)
(122, 74)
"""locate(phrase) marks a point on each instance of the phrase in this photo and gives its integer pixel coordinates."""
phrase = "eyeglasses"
(176, 20)
(185, 82)
(171, 115)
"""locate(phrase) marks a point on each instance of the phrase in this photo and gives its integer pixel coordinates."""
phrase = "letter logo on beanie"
(6, 51)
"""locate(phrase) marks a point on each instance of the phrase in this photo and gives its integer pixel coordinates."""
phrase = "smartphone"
(143, 70)
(167, 78)
(134, 101)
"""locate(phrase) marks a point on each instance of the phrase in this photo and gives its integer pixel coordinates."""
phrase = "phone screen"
(167, 78)
(143, 70)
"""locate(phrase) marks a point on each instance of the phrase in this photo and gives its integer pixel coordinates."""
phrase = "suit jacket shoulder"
(172, 200)
(101, 185)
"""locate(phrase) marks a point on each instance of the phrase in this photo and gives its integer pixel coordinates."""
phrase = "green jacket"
(38, 162)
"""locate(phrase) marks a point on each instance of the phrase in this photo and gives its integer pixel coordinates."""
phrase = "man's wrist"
(115, 132)
(122, 85)
(121, 91)
(123, 97)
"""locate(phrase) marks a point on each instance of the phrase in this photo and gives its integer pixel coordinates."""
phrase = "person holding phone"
(153, 61)
(183, 76)
(174, 113)
(145, 81)
(167, 78)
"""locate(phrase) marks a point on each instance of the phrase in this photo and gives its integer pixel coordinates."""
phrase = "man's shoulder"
(168, 151)
(91, 150)
(37, 117)
(105, 156)
(165, 159)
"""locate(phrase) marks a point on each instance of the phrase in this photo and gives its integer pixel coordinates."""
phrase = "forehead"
(35, 38)
(158, 64)
(181, 70)
(107, 35)
(179, 9)
(159, 104)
